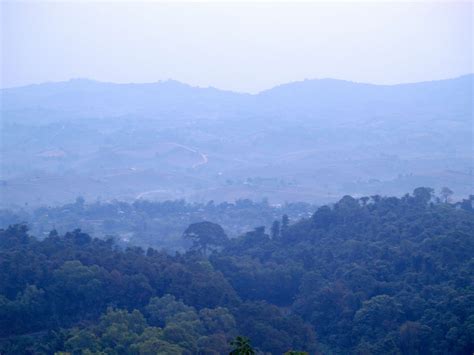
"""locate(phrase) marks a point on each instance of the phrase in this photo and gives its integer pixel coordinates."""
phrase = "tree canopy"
(205, 235)
(366, 275)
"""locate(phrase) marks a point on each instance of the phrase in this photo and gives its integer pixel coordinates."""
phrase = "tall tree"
(285, 222)
(205, 235)
(446, 193)
(275, 230)
(423, 194)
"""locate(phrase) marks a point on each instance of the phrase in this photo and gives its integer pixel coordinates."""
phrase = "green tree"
(446, 193)
(377, 317)
(275, 229)
(423, 194)
(205, 235)
(241, 346)
(285, 222)
(415, 338)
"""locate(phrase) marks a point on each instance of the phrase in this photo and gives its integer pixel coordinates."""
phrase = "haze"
(242, 47)
(236, 178)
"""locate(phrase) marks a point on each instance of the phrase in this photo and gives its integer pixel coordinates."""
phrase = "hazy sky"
(237, 46)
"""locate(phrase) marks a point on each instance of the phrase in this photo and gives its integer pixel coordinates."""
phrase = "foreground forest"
(374, 275)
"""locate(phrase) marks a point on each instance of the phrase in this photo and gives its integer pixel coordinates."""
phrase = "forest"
(369, 275)
(144, 223)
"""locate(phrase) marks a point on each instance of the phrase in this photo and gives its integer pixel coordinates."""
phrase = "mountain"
(312, 97)
(92, 98)
(88, 98)
(308, 140)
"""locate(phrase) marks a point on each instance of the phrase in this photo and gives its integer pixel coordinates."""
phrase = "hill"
(311, 140)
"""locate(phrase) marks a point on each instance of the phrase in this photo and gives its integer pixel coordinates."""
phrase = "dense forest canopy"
(373, 275)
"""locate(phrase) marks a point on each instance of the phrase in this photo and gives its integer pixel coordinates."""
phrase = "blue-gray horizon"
(240, 47)
(91, 80)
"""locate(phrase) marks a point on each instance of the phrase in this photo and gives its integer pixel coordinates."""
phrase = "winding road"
(204, 160)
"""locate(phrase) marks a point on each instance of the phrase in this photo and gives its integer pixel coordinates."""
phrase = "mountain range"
(306, 140)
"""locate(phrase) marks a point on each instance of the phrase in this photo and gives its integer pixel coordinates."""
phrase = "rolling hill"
(308, 140)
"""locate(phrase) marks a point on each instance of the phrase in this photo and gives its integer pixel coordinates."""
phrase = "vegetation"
(206, 235)
(151, 224)
(242, 346)
(375, 275)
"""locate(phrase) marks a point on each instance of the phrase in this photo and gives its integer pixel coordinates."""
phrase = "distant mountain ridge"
(89, 97)
(86, 82)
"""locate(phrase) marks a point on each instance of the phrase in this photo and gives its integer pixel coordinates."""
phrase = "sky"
(245, 46)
